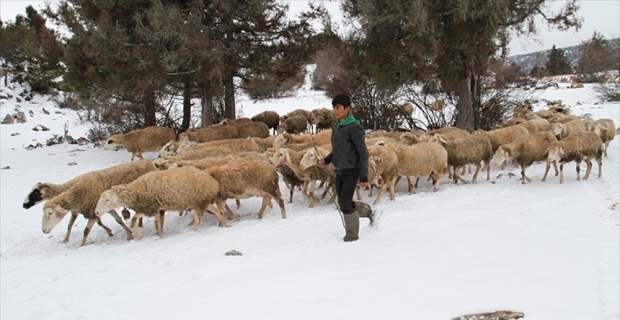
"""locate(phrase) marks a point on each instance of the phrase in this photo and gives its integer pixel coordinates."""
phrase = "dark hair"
(341, 99)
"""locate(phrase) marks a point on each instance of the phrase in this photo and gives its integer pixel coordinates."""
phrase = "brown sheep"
(473, 149)
(270, 118)
(285, 139)
(576, 147)
(323, 119)
(156, 192)
(141, 140)
(83, 197)
(437, 105)
(219, 132)
(563, 130)
(235, 122)
(525, 151)
(605, 130)
(298, 112)
(294, 124)
(253, 129)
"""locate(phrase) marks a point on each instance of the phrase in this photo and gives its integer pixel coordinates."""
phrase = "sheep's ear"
(287, 156)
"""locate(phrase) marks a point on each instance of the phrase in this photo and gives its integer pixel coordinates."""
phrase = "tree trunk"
(187, 106)
(229, 97)
(149, 108)
(475, 100)
(465, 112)
(206, 101)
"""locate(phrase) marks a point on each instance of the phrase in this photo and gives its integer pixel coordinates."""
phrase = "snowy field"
(546, 249)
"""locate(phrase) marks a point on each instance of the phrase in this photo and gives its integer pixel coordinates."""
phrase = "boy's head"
(341, 99)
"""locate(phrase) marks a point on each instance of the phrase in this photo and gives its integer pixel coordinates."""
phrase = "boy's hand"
(321, 162)
(363, 185)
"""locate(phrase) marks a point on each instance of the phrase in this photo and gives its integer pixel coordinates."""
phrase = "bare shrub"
(269, 86)
(607, 91)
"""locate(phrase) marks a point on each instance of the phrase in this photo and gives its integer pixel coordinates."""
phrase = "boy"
(350, 159)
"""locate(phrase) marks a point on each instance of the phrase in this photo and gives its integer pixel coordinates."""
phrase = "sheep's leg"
(412, 187)
(382, 190)
(89, 226)
(162, 219)
(197, 220)
(238, 202)
(437, 179)
(487, 166)
(523, 176)
(227, 212)
(371, 187)
(588, 169)
(476, 173)
(70, 226)
(311, 194)
(392, 186)
(134, 225)
(107, 230)
(120, 221)
(599, 161)
(266, 201)
(458, 177)
(547, 166)
(577, 164)
(221, 207)
(357, 192)
(133, 156)
(561, 172)
(292, 190)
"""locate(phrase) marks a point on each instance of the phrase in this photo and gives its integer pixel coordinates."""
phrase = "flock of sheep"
(238, 159)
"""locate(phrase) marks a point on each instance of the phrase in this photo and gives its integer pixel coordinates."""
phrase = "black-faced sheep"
(270, 118)
(525, 151)
(605, 130)
(245, 179)
(211, 133)
(469, 150)
(141, 140)
(154, 193)
(294, 124)
(577, 147)
(83, 196)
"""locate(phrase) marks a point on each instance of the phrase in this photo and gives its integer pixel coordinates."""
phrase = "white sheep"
(83, 196)
(211, 133)
(283, 140)
(382, 170)
(141, 140)
(605, 130)
(421, 160)
(152, 194)
(577, 147)
(525, 151)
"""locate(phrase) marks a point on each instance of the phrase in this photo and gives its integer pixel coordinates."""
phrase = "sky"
(548, 250)
(599, 15)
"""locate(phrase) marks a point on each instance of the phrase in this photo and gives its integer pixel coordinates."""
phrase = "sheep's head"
(437, 138)
(52, 215)
(556, 151)
(599, 129)
(169, 147)
(36, 195)
(161, 163)
(408, 138)
(112, 142)
(320, 117)
(280, 156)
(108, 200)
(225, 122)
(310, 158)
(556, 128)
(281, 140)
(501, 156)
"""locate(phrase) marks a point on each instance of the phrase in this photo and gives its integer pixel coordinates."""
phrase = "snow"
(546, 249)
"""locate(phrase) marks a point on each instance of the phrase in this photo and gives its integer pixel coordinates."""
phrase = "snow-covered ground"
(546, 249)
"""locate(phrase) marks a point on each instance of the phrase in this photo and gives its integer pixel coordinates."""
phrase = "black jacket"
(349, 150)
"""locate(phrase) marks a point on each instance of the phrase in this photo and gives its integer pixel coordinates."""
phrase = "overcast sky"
(599, 15)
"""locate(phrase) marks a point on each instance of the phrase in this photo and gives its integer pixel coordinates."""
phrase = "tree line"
(127, 56)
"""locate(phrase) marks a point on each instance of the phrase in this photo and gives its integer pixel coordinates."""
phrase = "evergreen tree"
(595, 55)
(557, 63)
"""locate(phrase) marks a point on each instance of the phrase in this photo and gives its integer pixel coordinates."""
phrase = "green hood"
(347, 121)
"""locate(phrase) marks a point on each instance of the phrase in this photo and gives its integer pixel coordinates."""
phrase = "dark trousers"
(346, 182)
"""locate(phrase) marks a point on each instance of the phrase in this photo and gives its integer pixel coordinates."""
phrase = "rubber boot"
(365, 211)
(352, 226)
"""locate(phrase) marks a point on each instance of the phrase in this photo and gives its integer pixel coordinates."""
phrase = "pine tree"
(595, 55)
(557, 63)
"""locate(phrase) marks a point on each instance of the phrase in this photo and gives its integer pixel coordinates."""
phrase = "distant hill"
(528, 61)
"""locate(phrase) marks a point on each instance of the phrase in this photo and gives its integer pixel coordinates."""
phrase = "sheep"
(208, 162)
(503, 136)
(219, 132)
(576, 147)
(245, 179)
(323, 119)
(83, 196)
(285, 139)
(409, 138)
(561, 117)
(298, 112)
(437, 105)
(235, 122)
(469, 150)
(393, 135)
(156, 192)
(292, 158)
(525, 151)
(421, 160)
(382, 170)
(195, 154)
(141, 140)
(263, 143)
(234, 144)
(563, 130)
(253, 129)
(45, 190)
(604, 128)
(270, 118)
(294, 124)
